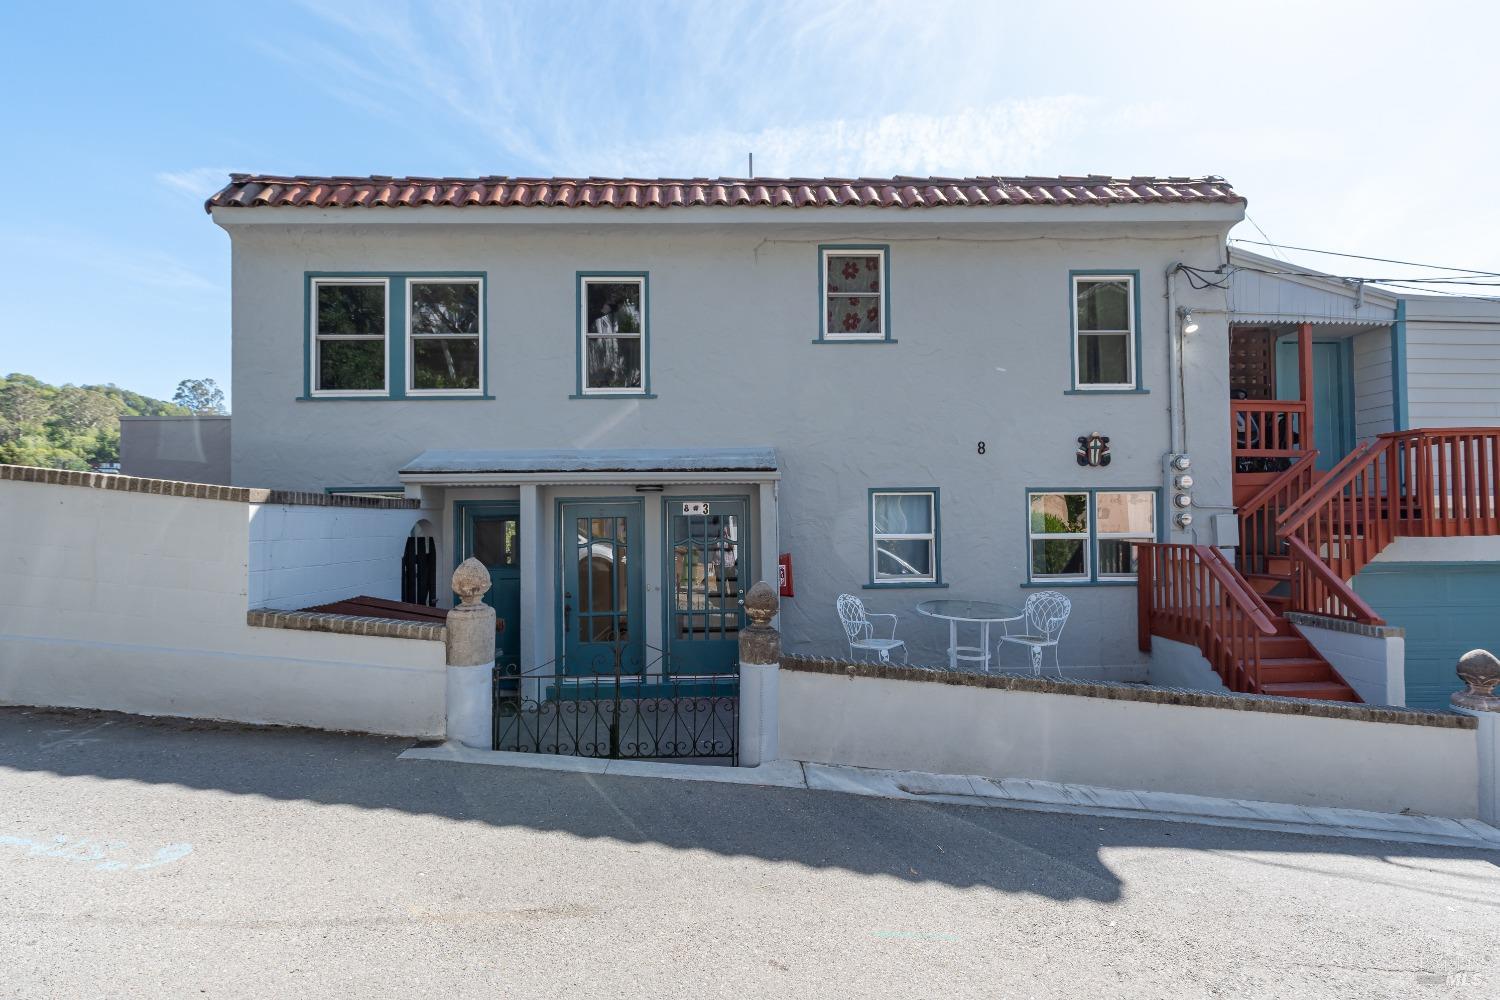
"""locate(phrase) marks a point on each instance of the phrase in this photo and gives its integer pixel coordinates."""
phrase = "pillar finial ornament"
(470, 581)
(1480, 670)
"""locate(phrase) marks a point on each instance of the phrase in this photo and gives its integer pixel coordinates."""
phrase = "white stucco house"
(632, 398)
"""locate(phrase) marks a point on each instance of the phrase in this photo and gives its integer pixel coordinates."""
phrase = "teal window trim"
(1400, 397)
(1137, 384)
(397, 347)
(1092, 553)
(825, 250)
(937, 540)
(579, 391)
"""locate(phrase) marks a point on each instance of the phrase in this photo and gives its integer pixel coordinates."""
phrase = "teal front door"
(491, 533)
(1333, 395)
(600, 599)
(708, 571)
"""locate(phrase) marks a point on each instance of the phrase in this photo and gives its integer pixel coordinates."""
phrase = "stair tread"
(1325, 690)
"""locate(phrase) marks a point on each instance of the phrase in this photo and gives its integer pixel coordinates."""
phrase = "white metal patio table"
(981, 613)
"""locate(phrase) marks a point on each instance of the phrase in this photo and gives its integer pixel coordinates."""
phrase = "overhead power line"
(1381, 260)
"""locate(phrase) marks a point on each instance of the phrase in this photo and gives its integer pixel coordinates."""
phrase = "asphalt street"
(145, 858)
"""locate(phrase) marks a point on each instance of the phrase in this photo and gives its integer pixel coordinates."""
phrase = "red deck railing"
(1259, 540)
(1424, 483)
(1268, 428)
(1192, 594)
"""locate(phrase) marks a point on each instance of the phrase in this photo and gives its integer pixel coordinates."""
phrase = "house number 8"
(981, 447)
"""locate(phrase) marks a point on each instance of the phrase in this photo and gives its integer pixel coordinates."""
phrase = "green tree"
(69, 426)
(200, 395)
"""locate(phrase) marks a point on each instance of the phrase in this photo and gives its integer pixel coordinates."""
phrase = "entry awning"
(442, 466)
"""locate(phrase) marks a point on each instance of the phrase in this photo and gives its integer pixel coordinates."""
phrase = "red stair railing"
(1259, 541)
(1190, 593)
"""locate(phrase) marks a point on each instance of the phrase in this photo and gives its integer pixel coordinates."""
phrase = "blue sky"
(1353, 127)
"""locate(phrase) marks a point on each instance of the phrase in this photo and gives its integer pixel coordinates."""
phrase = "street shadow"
(1011, 851)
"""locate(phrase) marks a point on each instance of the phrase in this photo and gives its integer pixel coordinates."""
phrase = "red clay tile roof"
(262, 190)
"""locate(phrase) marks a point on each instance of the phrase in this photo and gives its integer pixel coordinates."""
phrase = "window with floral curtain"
(854, 294)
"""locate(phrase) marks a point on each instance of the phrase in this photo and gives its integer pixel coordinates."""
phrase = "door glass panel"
(495, 542)
(706, 564)
(603, 596)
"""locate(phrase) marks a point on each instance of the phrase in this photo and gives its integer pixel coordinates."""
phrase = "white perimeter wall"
(957, 729)
(136, 602)
(303, 556)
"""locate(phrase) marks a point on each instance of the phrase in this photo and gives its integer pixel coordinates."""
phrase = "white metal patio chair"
(1041, 624)
(860, 631)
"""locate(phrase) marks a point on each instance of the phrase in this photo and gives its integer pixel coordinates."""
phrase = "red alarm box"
(784, 575)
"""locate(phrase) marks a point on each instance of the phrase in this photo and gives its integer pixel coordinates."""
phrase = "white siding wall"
(1453, 362)
(1372, 384)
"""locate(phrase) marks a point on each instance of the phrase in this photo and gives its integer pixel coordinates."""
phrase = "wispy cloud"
(200, 182)
(1008, 137)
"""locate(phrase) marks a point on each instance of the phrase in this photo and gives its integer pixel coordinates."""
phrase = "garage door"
(1447, 609)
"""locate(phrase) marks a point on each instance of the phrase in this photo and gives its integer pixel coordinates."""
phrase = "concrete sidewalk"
(1017, 793)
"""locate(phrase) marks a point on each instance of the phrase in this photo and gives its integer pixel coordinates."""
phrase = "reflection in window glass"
(349, 336)
(1059, 536)
(614, 333)
(1104, 330)
(903, 528)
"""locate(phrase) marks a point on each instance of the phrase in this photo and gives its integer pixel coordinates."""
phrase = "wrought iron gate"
(620, 706)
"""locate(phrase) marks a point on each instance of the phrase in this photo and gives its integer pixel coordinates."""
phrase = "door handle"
(567, 612)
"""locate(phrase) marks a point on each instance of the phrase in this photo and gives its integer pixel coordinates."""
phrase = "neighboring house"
(630, 397)
(192, 449)
(1382, 362)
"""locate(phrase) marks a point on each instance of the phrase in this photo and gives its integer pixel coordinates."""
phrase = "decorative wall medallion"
(1093, 450)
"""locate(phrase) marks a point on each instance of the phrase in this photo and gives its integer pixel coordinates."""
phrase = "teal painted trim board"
(824, 249)
(1400, 394)
(1135, 293)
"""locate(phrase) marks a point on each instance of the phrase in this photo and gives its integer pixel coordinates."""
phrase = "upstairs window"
(350, 320)
(904, 537)
(854, 294)
(444, 353)
(613, 338)
(1104, 334)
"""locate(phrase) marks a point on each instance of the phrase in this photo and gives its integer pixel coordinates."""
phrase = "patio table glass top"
(968, 611)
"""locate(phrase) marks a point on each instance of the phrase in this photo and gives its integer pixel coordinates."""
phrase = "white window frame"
(930, 537)
(583, 345)
(880, 296)
(315, 376)
(1130, 334)
(1033, 536)
(411, 337)
(1102, 536)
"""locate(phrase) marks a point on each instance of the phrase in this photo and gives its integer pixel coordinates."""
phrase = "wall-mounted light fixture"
(645, 488)
(1185, 318)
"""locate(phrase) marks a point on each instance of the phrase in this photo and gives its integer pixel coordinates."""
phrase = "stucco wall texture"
(980, 315)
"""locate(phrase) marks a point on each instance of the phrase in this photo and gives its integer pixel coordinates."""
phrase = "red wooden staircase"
(1303, 537)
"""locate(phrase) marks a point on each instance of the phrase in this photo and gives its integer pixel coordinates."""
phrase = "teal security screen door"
(600, 599)
(1332, 395)
(708, 571)
(491, 533)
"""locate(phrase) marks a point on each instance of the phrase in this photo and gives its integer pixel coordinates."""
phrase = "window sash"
(880, 296)
(589, 336)
(412, 336)
(1132, 379)
(1091, 538)
(315, 373)
(930, 537)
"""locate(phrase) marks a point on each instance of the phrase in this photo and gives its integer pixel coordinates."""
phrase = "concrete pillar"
(471, 658)
(760, 670)
(1480, 671)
